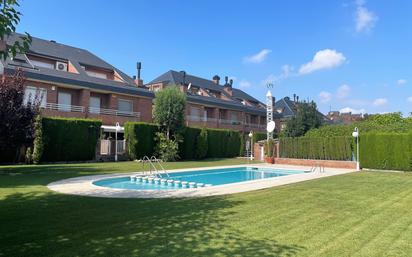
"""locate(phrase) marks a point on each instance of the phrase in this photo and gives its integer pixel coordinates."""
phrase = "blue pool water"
(208, 177)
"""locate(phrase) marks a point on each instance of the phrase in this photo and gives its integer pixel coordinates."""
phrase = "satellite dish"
(271, 126)
(189, 86)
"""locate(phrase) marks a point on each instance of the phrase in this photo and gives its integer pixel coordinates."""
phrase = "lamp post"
(251, 145)
(117, 130)
(355, 134)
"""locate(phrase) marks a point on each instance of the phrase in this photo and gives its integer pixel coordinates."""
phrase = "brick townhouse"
(214, 104)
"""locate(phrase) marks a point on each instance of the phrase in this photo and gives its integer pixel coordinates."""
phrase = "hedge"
(140, 139)
(388, 151)
(332, 148)
(69, 139)
(223, 143)
(187, 148)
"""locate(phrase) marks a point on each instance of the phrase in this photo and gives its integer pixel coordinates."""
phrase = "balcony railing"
(230, 122)
(200, 118)
(96, 110)
(252, 125)
(64, 107)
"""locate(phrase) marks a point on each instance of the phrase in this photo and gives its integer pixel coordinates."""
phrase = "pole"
(115, 153)
(357, 153)
(251, 147)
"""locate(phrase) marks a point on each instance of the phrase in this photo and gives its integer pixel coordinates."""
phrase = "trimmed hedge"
(218, 143)
(387, 151)
(331, 148)
(140, 139)
(69, 139)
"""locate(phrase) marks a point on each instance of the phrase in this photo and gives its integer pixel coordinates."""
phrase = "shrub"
(223, 143)
(140, 139)
(166, 149)
(269, 147)
(201, 144)
(69, 139)
(38, 140)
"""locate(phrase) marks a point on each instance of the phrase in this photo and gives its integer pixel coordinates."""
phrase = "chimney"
(297, 98)
(228, 87)
(183, 77)
(137, 80)
(294, 98)
(216, 79)
(231, 82)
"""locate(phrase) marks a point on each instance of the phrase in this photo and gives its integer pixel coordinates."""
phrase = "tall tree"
(306, 118)
(169, 110)
(9, 18)
(17, 117)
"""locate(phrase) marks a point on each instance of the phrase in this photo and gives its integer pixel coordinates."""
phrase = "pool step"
(166, 182)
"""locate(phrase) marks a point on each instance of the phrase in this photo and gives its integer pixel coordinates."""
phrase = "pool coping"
(84, 186)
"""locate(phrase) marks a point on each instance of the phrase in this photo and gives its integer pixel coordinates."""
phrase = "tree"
(169, 110)
(16, 117)
(306, 118)
(9, 18)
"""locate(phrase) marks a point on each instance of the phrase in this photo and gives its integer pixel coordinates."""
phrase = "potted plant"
(269, 151)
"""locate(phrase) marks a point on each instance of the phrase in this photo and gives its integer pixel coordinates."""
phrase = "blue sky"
(343, 54)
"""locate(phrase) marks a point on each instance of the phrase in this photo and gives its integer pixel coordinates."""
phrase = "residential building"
(73, 82)
(288, 108)
(215, 105)
(337, 117)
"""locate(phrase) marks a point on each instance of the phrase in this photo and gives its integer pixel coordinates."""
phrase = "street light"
(117, 130)
(251, 145)
(355, 134)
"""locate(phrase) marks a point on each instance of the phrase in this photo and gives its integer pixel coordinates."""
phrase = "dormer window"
(47, 63)
(96, 74)
(43, 64)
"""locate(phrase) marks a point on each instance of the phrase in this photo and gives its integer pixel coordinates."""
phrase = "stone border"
(84, 185)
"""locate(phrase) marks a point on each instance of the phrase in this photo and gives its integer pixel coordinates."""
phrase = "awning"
(107, 128)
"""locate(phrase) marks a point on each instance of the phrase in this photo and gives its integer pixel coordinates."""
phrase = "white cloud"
(409, 99)
(244, 84)
(401, 81)
(364, 19)
(354, 111)
(380, 102)
(325, 97)
(259, 57)
(323, 59)
(286, 72)
(343, 91)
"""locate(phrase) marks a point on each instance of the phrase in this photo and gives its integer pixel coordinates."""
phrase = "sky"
(347, 55)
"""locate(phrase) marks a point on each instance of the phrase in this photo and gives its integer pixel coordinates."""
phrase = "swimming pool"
(194, 179)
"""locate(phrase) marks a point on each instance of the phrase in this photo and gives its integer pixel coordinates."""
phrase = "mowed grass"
(358, 214)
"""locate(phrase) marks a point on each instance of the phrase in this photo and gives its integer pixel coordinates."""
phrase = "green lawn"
(362, 214)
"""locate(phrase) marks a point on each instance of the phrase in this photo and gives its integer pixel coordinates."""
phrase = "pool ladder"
(153, 170)
(317, 166)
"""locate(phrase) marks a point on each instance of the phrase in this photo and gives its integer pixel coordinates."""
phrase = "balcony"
(63, 107)
(253, 125)
(95, 110)
(230, 122)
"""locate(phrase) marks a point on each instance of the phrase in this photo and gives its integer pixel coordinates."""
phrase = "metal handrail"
(147, 159)
(97, 110)
(153, 158)
(64, 107)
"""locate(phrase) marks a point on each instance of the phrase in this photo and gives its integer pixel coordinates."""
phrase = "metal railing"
(96, 110)
(155, 170)
(230, 122)
(200, 118)
(64, 107)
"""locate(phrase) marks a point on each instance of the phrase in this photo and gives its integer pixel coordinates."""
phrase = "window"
(42, 64)
(233, 116)
(96, 74)
(94, 104)
(194, 111)
(65, 101)
(125, 106)
(32, 94)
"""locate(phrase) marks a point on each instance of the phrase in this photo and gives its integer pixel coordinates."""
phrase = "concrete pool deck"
(84, 185)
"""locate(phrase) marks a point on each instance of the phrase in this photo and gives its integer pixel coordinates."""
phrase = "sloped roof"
(176, 78)
(77, 57)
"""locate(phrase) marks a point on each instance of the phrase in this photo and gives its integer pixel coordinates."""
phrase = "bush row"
(332, 148)
(67, 139)
(388, 151)
(140, 139)
(195, 144)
